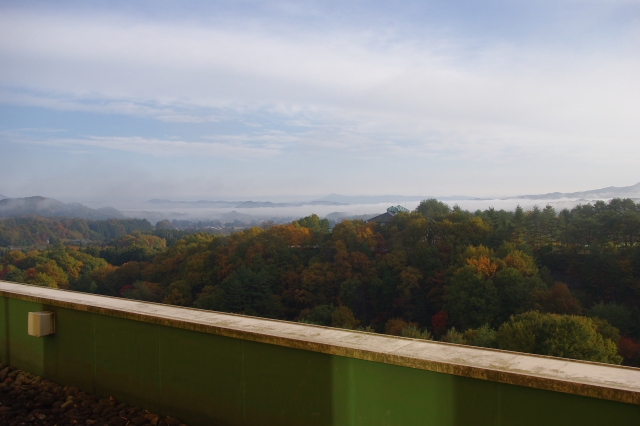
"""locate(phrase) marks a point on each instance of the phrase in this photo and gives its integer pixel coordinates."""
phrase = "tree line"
(32, 230)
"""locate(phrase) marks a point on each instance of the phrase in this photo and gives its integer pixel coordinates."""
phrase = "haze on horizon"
(255, 99)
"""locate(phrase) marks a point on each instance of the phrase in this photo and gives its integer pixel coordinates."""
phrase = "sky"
(108, 100)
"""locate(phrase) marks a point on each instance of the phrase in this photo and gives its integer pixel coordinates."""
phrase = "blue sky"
(251, 99)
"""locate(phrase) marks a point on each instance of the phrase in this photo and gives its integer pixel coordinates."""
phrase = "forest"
(554, 283)
(30, 230)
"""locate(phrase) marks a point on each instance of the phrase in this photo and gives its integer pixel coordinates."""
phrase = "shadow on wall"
(206, 379)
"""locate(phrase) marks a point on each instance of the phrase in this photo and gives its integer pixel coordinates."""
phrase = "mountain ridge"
(380, 199)
(632, 191)
(49, 207)
(240, 204)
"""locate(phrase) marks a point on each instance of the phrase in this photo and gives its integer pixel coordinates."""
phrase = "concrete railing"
(211, 368)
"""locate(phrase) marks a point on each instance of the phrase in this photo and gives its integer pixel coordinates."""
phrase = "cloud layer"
(242, 87)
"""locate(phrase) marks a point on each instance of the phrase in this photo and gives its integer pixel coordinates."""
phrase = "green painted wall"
(19, 349)
(4, 329)
(206, 379)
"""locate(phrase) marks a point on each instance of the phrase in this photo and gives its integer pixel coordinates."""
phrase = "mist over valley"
(334, 206)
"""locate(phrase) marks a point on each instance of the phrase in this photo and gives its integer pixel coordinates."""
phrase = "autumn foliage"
(456, 275)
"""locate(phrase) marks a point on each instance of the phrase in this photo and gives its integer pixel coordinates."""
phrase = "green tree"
(319, 315)
(433, 209)
(314, 223)
(454, 336)
(146, 291)
(618, 316)
(15, 274)
(415, 332)
(513, 292)
(342, 317)
(566, 336)
(44, 280)
(559, 300)
(210, 298)
(607, 330)
(178, 293)
(484, 336)
(471, 300)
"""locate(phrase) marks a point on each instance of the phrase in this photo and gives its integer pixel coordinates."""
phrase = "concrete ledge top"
(590, 379)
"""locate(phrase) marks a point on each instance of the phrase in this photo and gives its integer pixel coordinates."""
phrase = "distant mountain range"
(48, 207)
(594, 194)
(379, 199)
(192, 204)
(255, 204)
(239, 204)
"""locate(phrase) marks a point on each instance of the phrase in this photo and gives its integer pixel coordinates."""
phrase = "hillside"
(31, 230)
(610, 192)
(48, 207)
(483, 278)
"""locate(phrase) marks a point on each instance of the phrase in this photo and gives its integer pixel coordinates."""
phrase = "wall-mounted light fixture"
(41, 324)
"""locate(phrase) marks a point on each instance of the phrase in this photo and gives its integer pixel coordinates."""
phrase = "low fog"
(283, 214)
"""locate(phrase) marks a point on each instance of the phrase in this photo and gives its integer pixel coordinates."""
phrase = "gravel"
(26, 399)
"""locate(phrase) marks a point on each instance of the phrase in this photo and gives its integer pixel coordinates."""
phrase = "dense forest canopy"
(554, 283)
(32, 230)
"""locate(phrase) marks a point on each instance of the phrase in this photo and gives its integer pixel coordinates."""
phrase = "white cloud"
(171, 148)
(231, 146)
(362, 94)
(140, 68)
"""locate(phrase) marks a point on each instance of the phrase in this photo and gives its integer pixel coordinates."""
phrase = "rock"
(71, 391)
(80, 419)
(46, 401)
(139, 421)
(28, 399)
(117, 421)
(153, 419)
(109, 411)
